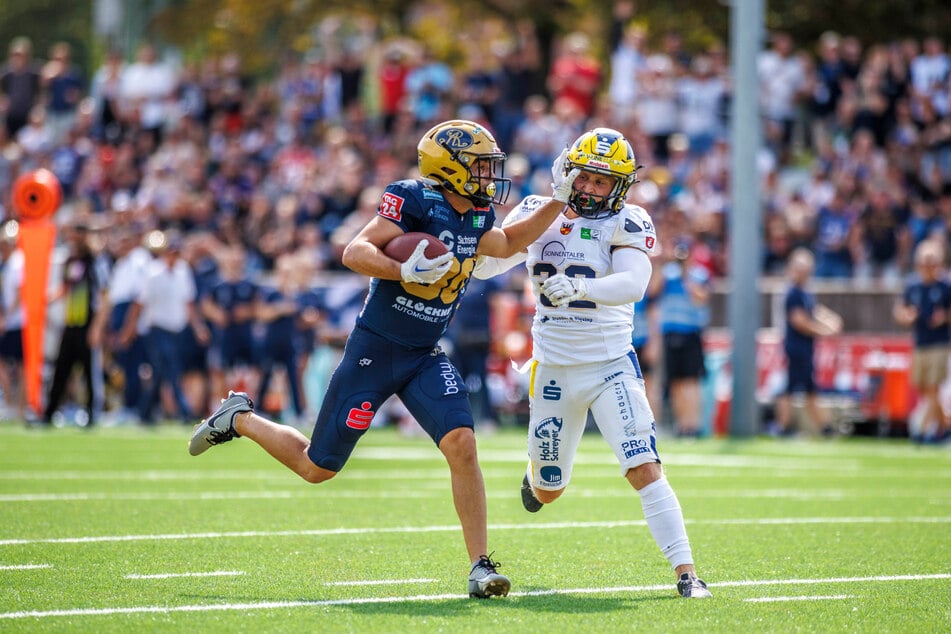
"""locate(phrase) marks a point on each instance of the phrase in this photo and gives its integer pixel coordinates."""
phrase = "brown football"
(402, 246)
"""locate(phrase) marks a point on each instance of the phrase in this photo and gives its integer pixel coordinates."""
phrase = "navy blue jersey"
(235, 341)
(229, 295)
(926, 298)
(279, 332)
(206, 276)
(306, 299)
(797, 343)
(416, 315)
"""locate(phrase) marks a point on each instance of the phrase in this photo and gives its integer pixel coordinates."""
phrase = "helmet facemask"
(486, 183)
(596, 207)
(605, 152)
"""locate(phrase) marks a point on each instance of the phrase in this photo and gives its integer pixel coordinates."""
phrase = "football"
(402, 246)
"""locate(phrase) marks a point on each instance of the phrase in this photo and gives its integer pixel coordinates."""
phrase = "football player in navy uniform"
(393, 348)
(588, 269)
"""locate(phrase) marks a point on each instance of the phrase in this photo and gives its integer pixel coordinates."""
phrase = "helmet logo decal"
(604, 145)
(454, 139)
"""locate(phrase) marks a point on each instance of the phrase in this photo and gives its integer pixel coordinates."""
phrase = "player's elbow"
(349, 257)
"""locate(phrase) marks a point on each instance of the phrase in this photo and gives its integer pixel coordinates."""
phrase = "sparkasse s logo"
(360, 417)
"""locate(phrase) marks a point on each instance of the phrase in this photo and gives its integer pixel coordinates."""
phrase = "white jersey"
(582, 331)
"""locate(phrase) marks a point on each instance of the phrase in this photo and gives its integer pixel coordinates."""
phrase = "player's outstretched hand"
(562, 183)
(422, 270)
(561, 289)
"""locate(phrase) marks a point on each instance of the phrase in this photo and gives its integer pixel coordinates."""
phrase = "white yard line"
(379, 582)
(26, 567)
(214, 495)
(369, 530)
(175, 575)
(684, 466)
(442, 490)
(280, 605)
(828, 597)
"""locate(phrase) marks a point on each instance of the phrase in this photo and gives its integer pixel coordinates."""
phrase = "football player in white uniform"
(587, 269)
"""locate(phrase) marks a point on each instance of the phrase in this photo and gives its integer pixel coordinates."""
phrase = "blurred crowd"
(264, 181)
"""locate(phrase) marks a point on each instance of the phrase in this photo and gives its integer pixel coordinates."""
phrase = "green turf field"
(120, 530)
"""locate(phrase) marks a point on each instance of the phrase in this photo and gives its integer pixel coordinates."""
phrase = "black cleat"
(529, 501)
(690, 587)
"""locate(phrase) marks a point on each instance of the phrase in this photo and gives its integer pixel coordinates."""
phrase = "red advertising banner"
(872, 369)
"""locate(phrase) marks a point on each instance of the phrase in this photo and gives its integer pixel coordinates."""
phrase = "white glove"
(562, 183)
(562, 289)
(421, 270)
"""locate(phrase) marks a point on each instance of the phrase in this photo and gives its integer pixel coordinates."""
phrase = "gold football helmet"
(463, 157)
(603, 151)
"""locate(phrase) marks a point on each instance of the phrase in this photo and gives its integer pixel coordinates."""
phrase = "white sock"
(666, 522)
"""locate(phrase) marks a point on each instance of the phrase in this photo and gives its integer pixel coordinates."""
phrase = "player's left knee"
(459, 445)
(642, 475)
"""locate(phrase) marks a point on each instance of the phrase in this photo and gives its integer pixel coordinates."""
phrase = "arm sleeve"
(628, 283)
(487, 267)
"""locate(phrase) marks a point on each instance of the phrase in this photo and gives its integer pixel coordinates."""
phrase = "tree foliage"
(262, 30)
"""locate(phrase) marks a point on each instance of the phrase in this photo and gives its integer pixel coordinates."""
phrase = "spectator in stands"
(628, 55)
(36, 137)
(429, 88)
(230, 307)
(826, 86)
(391, 77)
(65, 87)
(700, 97)
(146, 87)
(925, 307)
(132, 261)
(479, 86)
(777, 244)
(167, 300)
(276, 310)
(834, 227)
(805, 321)
(881, 237)
(930, 72)
(575, 75)
(520, 76)
(533, 136)
(657, 108)
(105, 91)
(782, 86)
(19, 85)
